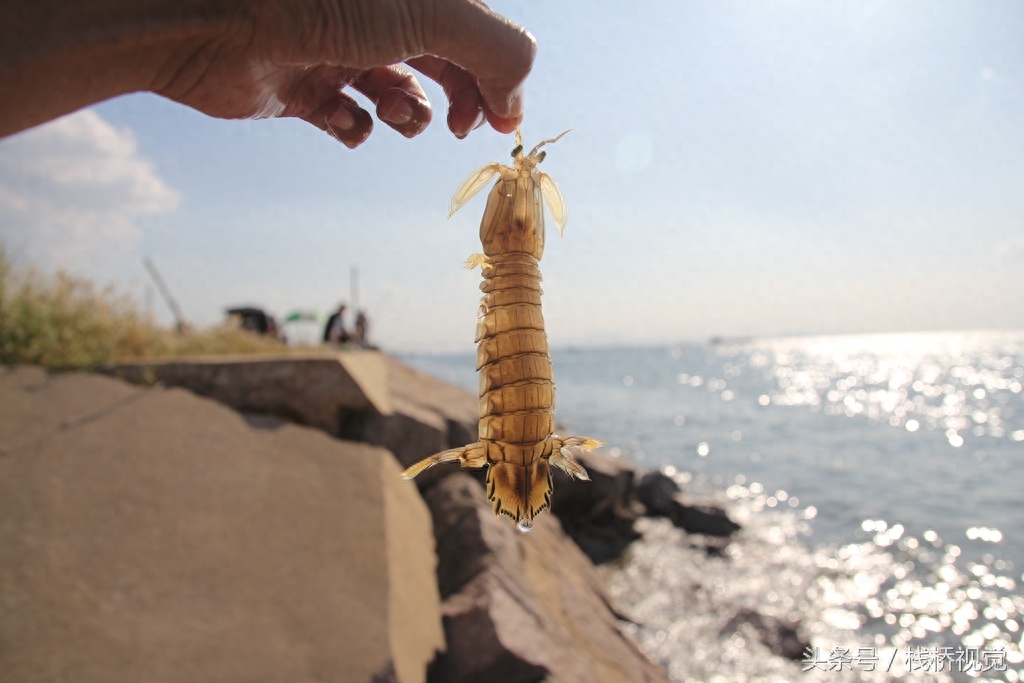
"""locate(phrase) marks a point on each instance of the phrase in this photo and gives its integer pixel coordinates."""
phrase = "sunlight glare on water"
(885, 594)
(877, 479)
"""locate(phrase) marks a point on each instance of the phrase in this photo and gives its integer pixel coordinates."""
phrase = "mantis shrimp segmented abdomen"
(517, 391)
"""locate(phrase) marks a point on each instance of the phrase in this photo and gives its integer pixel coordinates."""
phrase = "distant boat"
(720, 341)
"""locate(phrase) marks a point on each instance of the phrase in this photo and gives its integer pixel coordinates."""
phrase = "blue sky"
(738, 168)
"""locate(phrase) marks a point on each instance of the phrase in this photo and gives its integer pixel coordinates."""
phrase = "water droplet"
(525, 526)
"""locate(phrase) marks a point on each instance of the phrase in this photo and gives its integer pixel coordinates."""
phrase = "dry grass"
(63, 322)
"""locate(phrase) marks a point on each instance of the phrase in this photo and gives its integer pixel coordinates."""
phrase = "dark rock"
(598, 514)
(657, 491)
(427, 416)
(700, 518)
(493, 636)
(410, 432)
(781, 637)
(387, 674)
(521, 608)
(713, 546)
(467, 538)
(661, 496)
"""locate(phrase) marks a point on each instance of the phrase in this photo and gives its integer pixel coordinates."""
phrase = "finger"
(465, 104)
(465, 113)
(502, 124)
(315, 96)
(466, 108)
(401, 102)
(343, 119)
(499, 53)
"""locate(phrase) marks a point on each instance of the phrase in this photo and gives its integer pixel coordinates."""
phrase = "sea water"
(878, 480)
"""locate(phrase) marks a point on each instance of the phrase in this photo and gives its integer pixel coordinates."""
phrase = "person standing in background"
(334, 331)
(361, 329)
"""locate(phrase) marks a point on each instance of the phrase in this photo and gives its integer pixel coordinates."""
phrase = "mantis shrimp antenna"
(544, 142)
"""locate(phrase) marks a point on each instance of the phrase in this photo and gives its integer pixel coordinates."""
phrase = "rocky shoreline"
(504, 606)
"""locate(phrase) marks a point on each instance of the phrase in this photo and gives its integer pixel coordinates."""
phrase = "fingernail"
(342, 119)
(480, 120)
(457, 132)
(515, 104)
(399, 112)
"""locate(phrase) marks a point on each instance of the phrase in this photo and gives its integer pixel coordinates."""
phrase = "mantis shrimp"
(517, 391)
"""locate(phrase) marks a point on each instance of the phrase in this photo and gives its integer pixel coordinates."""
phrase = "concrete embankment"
(151, 533)
(147, 534)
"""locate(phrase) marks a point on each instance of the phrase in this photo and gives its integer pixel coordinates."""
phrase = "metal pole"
(355, 290)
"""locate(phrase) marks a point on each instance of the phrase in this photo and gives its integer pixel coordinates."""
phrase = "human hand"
(295, 58)
(263, 58)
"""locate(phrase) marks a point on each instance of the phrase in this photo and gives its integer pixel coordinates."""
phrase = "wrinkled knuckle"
(418, 25)
(434, 19)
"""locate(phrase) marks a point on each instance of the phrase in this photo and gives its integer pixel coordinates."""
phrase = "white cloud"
(71, 192)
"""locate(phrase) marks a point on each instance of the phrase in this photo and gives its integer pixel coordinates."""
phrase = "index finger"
(497, 52)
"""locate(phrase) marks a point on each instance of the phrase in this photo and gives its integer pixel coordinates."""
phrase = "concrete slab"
(313, 388)
(148, 534)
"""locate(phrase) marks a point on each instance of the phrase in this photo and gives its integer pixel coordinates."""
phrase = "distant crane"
(179, 318)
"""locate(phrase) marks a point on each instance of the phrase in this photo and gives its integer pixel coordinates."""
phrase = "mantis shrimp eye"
(517, 150)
